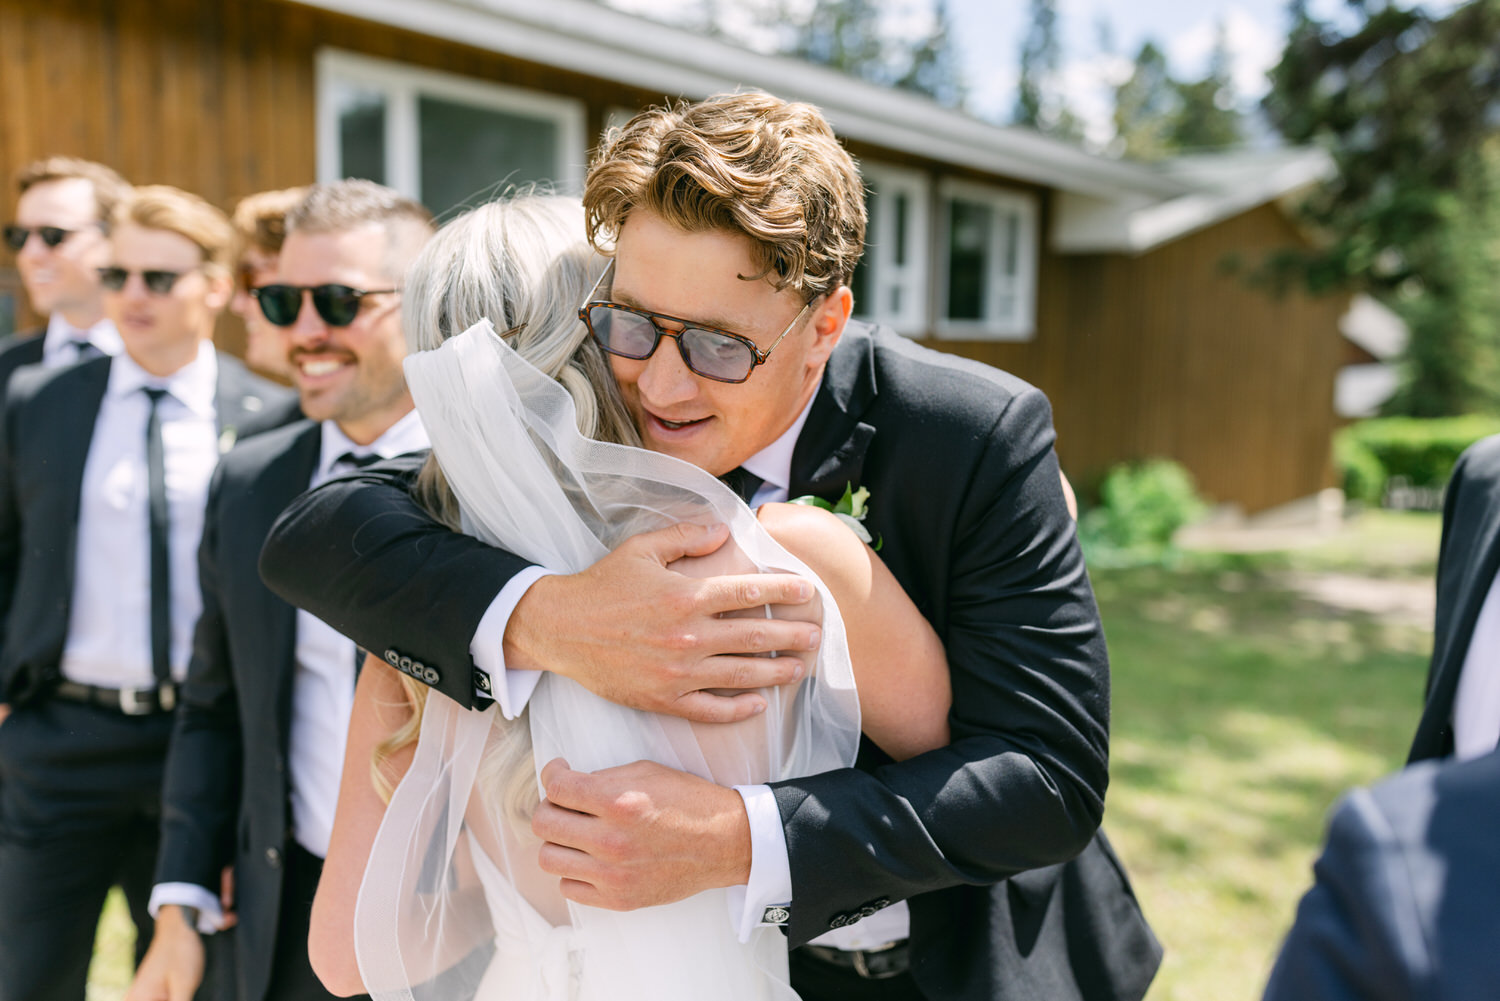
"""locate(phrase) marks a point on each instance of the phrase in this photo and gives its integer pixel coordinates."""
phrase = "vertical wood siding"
(1162, 354)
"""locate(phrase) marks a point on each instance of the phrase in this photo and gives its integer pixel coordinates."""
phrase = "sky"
(989, 34)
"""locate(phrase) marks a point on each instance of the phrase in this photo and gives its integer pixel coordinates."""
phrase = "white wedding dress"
(453, 905)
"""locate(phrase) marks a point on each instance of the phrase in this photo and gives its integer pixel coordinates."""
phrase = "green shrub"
(1419, 450)
(1141, 506)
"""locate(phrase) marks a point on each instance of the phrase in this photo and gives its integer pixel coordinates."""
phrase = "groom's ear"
(829, 318)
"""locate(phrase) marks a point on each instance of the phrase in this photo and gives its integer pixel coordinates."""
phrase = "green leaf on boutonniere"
(850, 509)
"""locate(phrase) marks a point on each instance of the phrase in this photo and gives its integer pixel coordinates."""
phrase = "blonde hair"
(520, 264)
(747, 163)
(173, 210)
(260, 220)
(110, 189)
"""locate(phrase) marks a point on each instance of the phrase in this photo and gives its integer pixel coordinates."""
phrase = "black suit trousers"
(80, 811)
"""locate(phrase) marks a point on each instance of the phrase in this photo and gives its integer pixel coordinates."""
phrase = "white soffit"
(1219, 187)
(592, 39)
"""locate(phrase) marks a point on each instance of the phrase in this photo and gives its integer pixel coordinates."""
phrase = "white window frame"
(886, 182)
(402, 84)
(1020, 325)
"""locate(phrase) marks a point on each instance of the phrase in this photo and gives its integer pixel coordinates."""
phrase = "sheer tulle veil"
(453, 905)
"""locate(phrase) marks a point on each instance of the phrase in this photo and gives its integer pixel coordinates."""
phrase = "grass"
(1242, 709)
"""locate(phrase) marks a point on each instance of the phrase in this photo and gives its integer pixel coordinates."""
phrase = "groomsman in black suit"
(104, 471)
(60, 237)
(253, 771)
(736, 224)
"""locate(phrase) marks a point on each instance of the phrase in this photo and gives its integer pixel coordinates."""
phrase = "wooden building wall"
(1158, 355)
(1173, 353)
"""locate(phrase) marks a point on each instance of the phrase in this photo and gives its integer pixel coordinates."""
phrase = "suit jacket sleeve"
(1022, 783)
(1357, 936)
(360, 554)
(201, 787)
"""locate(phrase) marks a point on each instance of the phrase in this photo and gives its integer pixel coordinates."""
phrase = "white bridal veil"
(453, 905)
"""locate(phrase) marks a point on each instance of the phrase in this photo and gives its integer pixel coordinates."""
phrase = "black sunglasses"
(157, 282)
(52, 236)
(338, 305)
(711, 352)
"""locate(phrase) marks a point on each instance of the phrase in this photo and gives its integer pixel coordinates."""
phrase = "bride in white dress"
(432, 888)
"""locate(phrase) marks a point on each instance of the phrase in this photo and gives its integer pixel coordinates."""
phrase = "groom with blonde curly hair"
(973, 871)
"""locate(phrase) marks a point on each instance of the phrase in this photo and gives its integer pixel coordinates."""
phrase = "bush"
(1141, 506)
(1419, 451)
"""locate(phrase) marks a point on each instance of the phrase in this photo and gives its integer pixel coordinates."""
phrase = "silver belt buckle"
(132, 703)
(166, 698)
(862, 966)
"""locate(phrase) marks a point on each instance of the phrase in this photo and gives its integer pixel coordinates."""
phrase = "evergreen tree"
(934, 68)
(1144, 106)
(845, 35)
(1206, 116)
(1039, 102)
(1405, 102)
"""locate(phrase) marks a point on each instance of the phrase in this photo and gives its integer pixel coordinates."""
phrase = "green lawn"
(1245, 701)
(1242, 708)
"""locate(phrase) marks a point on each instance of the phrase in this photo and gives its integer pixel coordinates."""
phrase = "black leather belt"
(129, 701)
(871, 964)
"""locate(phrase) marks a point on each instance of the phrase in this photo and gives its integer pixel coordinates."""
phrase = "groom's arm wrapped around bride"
(966, 498)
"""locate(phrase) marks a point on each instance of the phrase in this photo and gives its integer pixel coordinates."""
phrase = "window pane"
(901, 210)
(1012, 251)
(859, 284)
(469, 154)
(361, 132)
(968, 240)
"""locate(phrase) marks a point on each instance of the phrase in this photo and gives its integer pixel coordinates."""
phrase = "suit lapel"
(830, 451)
(234, 402)
(74, 426)
(284, 479)
(1448, 663)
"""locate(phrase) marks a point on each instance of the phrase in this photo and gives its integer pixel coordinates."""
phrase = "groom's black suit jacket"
(49, 424)
(1467, 563)
(965, 494)
(225, 795)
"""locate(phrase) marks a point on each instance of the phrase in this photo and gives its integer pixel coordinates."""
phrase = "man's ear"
(220, 290)
(829, 318)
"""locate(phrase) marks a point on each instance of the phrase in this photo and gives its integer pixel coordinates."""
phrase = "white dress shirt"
(1476, 702)
(109, 626)
(60, 345)
(323, 686)
(322, 692)
(770, 882)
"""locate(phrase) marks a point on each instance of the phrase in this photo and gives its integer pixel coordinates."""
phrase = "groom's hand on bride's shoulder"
(639, 835)
(639, 633)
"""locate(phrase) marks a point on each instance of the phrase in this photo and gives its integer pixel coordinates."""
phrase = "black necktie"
(743, 482)
(357, 461)
(161, 568)
(84, 349)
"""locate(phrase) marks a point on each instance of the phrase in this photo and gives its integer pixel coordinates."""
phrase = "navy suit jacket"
(1406, 903)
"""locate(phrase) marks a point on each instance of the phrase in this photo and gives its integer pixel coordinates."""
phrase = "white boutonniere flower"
(850, 509)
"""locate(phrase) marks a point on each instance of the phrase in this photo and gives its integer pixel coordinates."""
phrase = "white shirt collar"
(194, 385)
(102, 335)
(406, 435)
(773, 464)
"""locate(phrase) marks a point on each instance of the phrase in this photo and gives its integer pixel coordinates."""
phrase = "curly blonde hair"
(748, 163)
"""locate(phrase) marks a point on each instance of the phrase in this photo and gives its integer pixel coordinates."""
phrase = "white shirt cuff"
(210, 914)
(513, 688)
(770, 871)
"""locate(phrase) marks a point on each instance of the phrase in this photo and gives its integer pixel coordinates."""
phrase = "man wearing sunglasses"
(253, 771)
(60, 240)
(735, 226)
(104, 473)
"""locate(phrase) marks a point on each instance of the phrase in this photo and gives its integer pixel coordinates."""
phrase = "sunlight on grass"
(114, 952)
(1242, 709)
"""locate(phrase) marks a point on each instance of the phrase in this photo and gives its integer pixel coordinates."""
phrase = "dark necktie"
(357, 461)
(84, 349)
(161, 568)
(743, 482)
